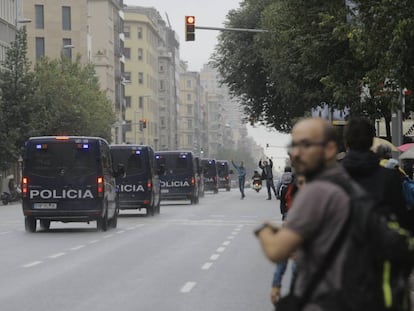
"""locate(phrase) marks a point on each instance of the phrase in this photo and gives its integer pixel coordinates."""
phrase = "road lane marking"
(231, 237)
(32, 264)
(214, 257)
(221, 249)
(77, 247)
(237, 229)
(235, 233)
(5, 232)
(207, 265)
(119, 232)
(226, 243)
(108, 236)
(93, 241)
(57, 255)
(188, 287)
(241, 226)
(130, 228)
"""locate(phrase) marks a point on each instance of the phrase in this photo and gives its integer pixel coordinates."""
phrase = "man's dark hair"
(288, 169)
(330, 133)
(359, 134)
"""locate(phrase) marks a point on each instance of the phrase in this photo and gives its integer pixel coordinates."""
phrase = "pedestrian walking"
(267, 168)
(367, 168)
(316, 217)
(282, 187)
(241, 171)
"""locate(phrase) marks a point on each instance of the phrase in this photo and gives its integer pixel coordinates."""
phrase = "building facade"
(9, 11)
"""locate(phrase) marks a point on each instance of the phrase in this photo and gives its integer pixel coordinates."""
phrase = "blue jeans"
(280, 271)
(241, 185)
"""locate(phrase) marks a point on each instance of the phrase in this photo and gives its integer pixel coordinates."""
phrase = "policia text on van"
(68, 179)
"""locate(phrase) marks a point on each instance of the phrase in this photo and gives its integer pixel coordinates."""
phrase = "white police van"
(68, 179)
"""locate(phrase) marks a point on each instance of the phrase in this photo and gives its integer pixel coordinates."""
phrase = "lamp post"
(67, 50)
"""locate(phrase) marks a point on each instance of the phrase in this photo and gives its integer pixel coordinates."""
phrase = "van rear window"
(133, 160)
(175, 163)
(64, 159)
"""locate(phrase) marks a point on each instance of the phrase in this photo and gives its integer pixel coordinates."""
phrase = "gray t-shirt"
(318, 213)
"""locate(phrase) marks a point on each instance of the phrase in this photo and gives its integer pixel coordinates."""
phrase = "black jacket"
(384, 184)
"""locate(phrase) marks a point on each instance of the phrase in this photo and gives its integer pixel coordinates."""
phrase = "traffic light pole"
(231, 29)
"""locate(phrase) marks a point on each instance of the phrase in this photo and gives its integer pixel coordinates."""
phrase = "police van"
(224, 174)
(139, 186)
(68, 179)
(179, 179)
(210, 175)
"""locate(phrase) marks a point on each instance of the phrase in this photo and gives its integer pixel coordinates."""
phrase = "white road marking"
(188, 287)
(214, 257)
(93, 241)
(226, 243)
(207, 265)
(237, 229)
(241, 226)
(235, 233)
(231, 237)
(108, 236)
(130, 228)
(119, 232)
(77, 247)
(219, 216)
(5, 232)
(32, 264)
(221, 249)
(57, 255)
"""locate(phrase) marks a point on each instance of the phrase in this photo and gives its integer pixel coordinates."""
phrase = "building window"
(127, 31)
(67, 47)
(161, 69)
(66, 18)
(127, 53)
(188, 96)
(128, 101)
(189, 124)
(141, 78)
(128, 126)
(40, 47)
(189, 139)
(141, 102)
(188, 83)
(40, 18)
(189, 109)
(140, 54)
(127, 77)
(139, 34)
(162, 85)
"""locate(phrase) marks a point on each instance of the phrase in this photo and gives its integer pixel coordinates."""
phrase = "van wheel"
(45, 224)
(102, 222)
(30, 224)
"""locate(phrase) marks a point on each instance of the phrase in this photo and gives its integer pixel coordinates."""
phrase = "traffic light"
(189, 28)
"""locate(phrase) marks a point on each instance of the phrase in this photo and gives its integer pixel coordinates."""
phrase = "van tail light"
(192, 181)
(227, 177)
(215, 178)
(149, 184)
(25, 184)
(100, 184)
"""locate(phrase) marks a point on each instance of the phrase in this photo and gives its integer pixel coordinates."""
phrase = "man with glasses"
(318, 212)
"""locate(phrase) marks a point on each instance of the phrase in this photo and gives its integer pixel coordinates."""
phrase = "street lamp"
(67, 50)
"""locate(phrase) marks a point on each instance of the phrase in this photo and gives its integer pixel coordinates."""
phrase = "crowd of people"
(318, 220)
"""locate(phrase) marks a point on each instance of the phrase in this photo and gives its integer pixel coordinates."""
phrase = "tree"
(72, 101)
(16, 106)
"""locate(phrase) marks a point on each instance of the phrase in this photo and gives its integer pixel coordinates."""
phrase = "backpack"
(408, 191)
(290, 192)
(378, 260)
(281, 194)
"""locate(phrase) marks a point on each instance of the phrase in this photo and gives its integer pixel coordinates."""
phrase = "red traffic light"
(189, 28)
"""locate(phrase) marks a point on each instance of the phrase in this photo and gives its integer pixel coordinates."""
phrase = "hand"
(266, 227)
(275, 295)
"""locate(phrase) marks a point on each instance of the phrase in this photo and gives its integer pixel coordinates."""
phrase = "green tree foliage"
(71, 99)
(16, 105)
(318, 51)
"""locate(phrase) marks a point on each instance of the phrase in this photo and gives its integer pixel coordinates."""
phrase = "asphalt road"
(190, 257)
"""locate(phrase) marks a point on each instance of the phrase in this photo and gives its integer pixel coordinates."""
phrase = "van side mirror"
(120, 170)
(161, 169)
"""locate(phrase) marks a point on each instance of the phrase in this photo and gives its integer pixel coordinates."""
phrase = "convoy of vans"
(83, 179)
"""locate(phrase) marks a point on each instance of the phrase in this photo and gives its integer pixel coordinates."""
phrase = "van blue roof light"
(39, 146)
(85, 146)
(157, 156)
(137, 151)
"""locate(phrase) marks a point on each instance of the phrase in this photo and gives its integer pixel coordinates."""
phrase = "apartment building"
(190, 112)
(10, 13)
(91, 29)
(142, 40)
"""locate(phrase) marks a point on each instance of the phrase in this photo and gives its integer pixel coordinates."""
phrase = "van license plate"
(45, 205)
(165, 190)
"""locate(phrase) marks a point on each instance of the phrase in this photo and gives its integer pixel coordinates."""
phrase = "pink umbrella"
(405, 147)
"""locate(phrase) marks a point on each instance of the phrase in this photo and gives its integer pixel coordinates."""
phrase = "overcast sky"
(210, 13)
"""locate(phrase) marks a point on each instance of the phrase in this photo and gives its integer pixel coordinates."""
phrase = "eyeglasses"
(304, 145)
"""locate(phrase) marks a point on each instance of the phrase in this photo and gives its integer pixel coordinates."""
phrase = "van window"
(175, 163)
(69, 159)
(133, 160)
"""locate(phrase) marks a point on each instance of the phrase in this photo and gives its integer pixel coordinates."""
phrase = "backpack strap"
(333, 251)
